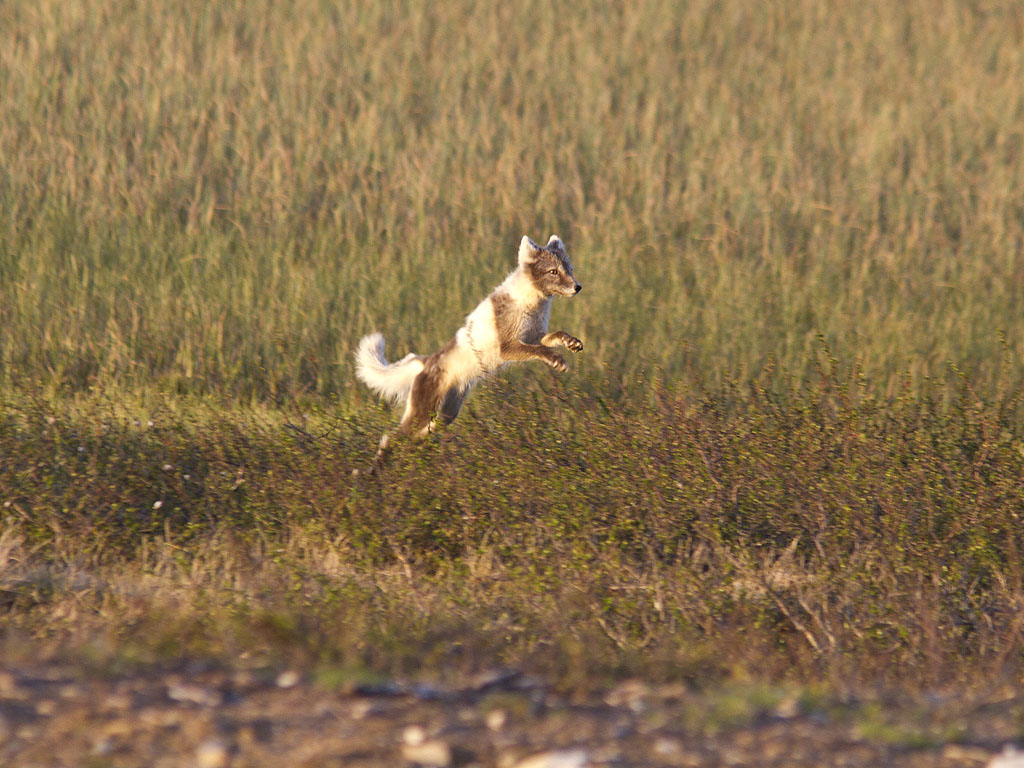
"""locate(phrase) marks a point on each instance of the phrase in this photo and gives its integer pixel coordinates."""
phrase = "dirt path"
(51, 717)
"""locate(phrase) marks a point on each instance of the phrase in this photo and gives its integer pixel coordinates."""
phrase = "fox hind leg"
(451, 404)
(424, 399)
(413, 422)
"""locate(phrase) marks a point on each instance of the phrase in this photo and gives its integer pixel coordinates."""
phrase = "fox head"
(548, 266)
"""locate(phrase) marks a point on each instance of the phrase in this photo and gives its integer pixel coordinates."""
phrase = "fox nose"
(578, 287)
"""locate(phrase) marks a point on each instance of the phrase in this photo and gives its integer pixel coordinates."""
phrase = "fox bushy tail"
(389, 380)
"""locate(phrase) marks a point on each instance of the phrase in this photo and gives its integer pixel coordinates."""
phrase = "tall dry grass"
(224, 196)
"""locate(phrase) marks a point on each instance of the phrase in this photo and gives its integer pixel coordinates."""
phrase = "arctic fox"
(509, 325)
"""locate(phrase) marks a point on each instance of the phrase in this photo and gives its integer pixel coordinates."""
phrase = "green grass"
(792, 448)
(820, 535)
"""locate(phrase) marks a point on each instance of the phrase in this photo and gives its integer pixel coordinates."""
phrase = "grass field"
(223, 198)
(793, 447)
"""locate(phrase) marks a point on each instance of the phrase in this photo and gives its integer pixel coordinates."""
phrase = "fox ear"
(555, 244)
(528, 250)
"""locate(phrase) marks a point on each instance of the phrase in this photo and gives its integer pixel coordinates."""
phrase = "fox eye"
(553, 271)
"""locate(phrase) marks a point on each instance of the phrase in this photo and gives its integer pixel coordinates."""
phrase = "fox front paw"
(574, 344)
(556, 362)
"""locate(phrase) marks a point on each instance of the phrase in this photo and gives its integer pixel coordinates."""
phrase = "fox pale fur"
(508, 326)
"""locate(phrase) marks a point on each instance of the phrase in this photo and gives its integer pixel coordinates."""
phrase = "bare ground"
(52, 716)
